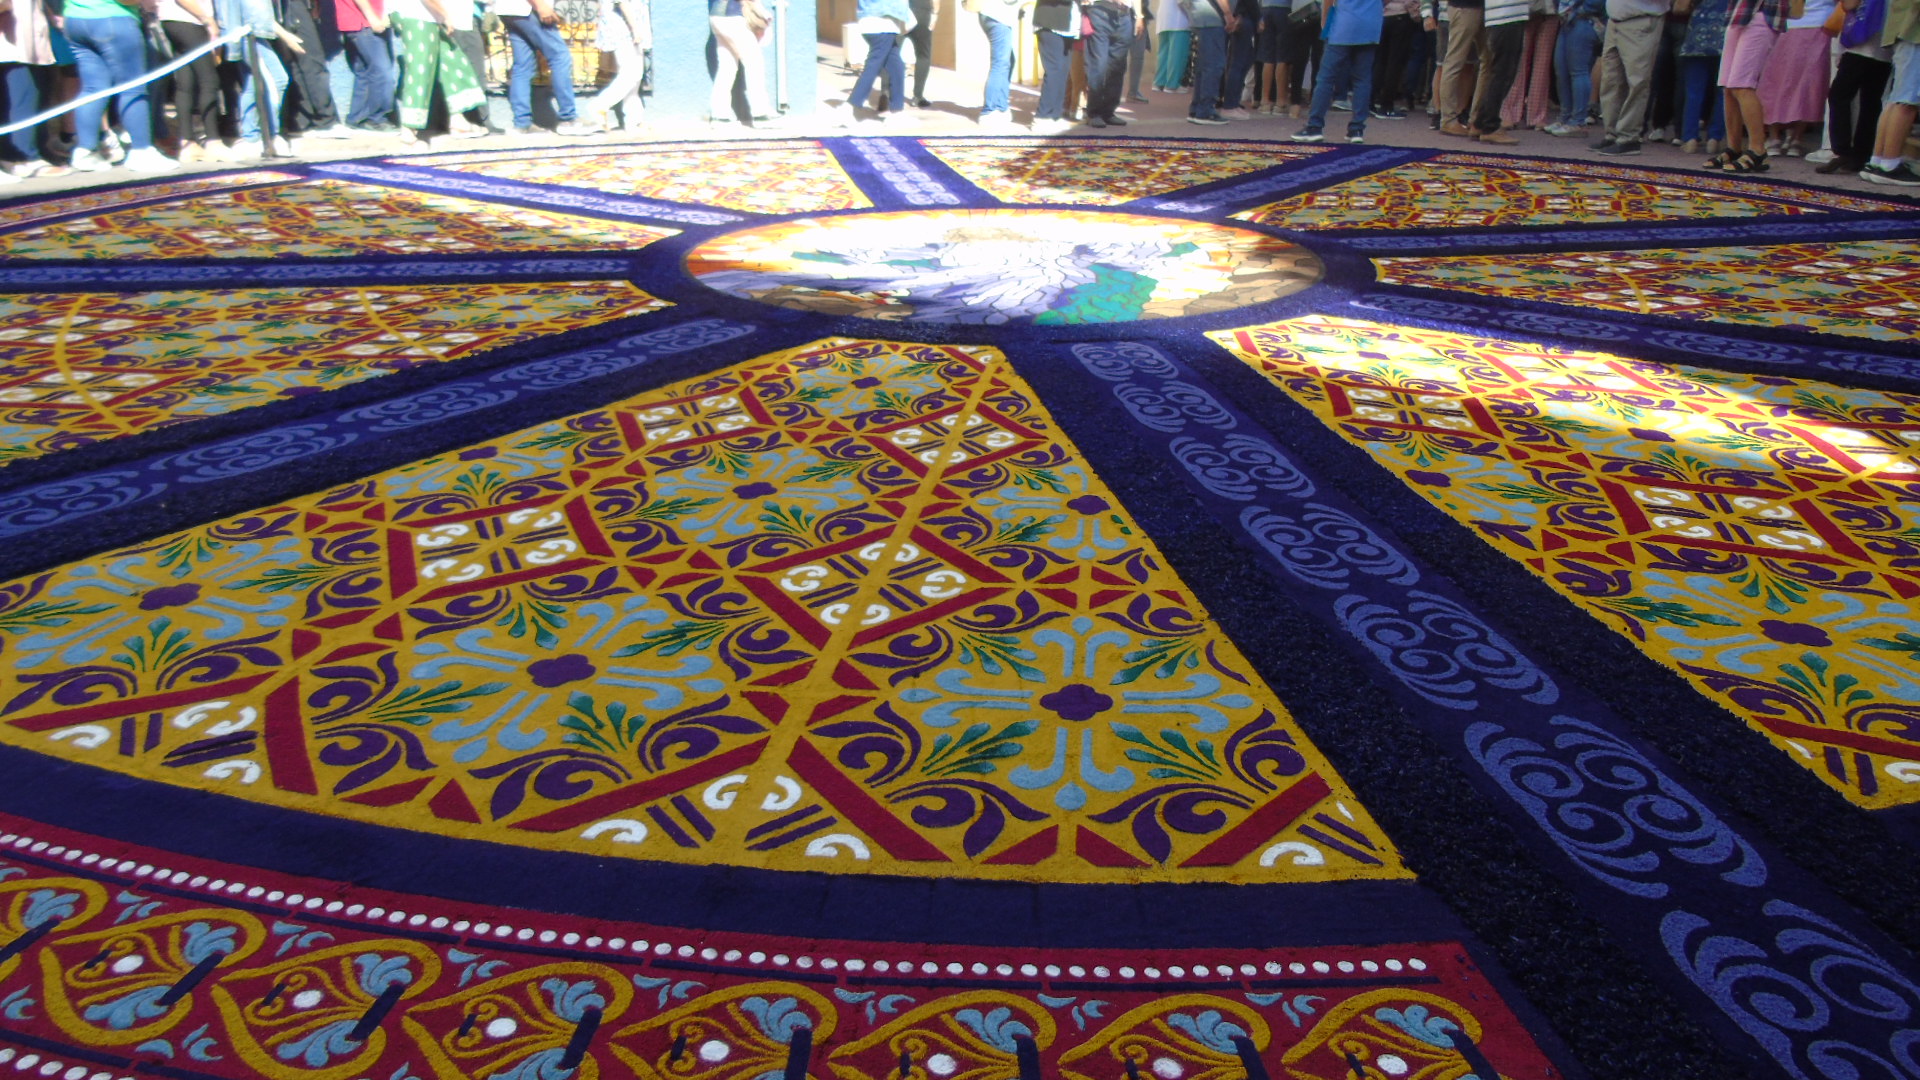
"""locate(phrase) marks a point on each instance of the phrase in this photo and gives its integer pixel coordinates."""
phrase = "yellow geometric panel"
(77, 368)
(1860, 289)
(1456, 190)
(1100, 174)
(1759, 536)
(857, 606)
(320, 218)
(781, 178)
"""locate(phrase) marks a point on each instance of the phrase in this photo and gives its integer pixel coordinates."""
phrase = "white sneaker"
(1235, 114)
(575, 128)
(7, 177)
(90, 161)
(1052, 127)
(998, 119)
(149, 159)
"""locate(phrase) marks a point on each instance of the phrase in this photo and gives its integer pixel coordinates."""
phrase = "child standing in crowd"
(1581, 23)
(188, 25)
(1351, 29)
(1700, 100)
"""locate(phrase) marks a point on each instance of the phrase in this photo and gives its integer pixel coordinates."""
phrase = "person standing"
(1351, 29)
(883, 23)
(1056, 27)
(1793, 89)
(625, 29)
(1627, 56)
(1393, 77)
(533, 29)
(925, 13)
(1115, 24)
(1466, 44)
(309, 107)
(1902, 35)
(1529, 103)
(1752, 28)
(1210, 23)
(1175, 45)
(431, 60)
(1503, 28)
(1271, 52)
(363, 29)
(110, 49)
(1700, 100)
(998, 19)
(1854, 101)
(25, 43)
(1242, 40)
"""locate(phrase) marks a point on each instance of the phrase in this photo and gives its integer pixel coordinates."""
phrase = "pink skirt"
(1744, 59)
(1793, 88)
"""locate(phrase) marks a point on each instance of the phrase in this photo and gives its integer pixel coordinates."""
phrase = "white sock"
(1887, 163)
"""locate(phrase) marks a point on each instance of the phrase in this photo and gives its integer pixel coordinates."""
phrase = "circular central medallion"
(1048, 267)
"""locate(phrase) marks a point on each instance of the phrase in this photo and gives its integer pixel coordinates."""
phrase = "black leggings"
(1852, 132)
(196, 87)
(922, 37)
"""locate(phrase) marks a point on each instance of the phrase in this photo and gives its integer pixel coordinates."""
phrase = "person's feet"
(1210, 121)
(149, 159)
(1497, 138)
(1621, 148)
(1308, 137)
(1901, 175)
(1235, 114)
(1839, 164)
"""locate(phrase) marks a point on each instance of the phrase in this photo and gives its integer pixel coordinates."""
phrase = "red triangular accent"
(834, 706)
(348, 652)
(641, 576)
(1551, 541)
(392, 795)
(703, 561)
(450, 803)
(1064, 597)
(345, 618)
(376, 512)
(788, 677)
(391, 629)
(772, 706)
(304, 642)
(1065, 577)
(852, 677)
(1100, 851)
(1622, 551)
(1031, 850)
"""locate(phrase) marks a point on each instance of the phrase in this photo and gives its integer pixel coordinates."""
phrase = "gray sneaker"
(578, 128)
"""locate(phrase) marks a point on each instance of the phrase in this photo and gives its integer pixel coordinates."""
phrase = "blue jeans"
(1056, 60)
(1212, 41)
(1239, 62)
(272, 72)
(23, 100)
(1573, 54)
(1106, 57)
(1702, 75)
(370, 55)
(1338, 64)
(883, 52)
(527, 35)
(110, 51)
(999, 95)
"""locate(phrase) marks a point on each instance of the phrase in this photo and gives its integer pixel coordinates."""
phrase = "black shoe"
(1621, 149)
(1840, 165)
(1901, 175)
(1114, 121)
(1605, 141)
(1096, 121)
(922, 103)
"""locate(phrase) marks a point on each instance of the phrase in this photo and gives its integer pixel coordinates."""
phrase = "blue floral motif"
(204, 940)
(1210, 1029)
(1440, 651)
(997, 1029)
(129, 1010)
(322, 1045)
(572, 1000)
(905, 177)
(1419, 1022)
(1118, 361)
(46, 905)
(379, 972)
(780, 1019)
(541, 1065)
(62, 500)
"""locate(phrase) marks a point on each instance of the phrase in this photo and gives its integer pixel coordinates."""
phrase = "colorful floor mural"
(987, 608)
